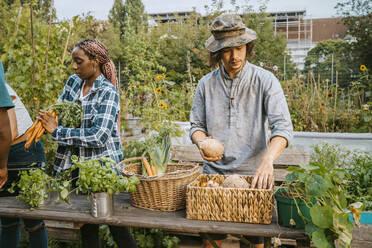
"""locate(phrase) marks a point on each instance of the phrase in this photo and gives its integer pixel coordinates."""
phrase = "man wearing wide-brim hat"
(237, 104)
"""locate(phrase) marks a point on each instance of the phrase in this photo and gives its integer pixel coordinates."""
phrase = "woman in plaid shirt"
(95, 86)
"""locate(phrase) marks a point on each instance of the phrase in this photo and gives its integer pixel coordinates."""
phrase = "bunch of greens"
(324, 182)
(70, 114)
(160, 155)
(33, 187)
(136, 148)
(360, 183)
(100, 176)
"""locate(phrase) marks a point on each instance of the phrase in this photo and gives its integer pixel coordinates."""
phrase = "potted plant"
(322, 186)
(99, 179)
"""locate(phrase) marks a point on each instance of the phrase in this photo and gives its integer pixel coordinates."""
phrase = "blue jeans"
(20, 159)
(11, 233)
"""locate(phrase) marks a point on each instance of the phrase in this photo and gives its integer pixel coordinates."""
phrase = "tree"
(319, 61)
(135, 16)
(117, 16)
(357, 16)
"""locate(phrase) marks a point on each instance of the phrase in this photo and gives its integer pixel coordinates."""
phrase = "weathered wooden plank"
(364, 232)
(361, 244)
(126, 215)
(288, 157)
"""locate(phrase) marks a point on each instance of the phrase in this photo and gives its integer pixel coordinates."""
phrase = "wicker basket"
(228, 204)
(166, 192)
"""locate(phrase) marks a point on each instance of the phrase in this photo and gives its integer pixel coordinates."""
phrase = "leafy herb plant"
(322, 184)
(100, 176)
(33, 187)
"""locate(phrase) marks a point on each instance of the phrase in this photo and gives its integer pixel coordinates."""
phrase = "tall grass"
(318, 106)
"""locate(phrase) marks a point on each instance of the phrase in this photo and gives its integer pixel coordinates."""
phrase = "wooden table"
(127, 215)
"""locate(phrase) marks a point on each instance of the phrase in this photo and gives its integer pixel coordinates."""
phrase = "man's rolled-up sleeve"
(197, 113)
(277, 110)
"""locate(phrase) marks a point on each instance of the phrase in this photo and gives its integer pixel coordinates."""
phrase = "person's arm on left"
(281, 128)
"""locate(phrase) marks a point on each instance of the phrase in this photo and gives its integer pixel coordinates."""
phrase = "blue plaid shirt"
(98, 135)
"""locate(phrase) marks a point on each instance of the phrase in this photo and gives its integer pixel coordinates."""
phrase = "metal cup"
(101, 204)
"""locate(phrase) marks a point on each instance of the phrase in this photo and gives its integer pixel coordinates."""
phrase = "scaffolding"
(298, 31)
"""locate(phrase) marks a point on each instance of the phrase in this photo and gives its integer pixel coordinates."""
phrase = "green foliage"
(319, 61)
(357, 16)
(117, 16)
(137, 148)
(22, 67)
(33, 187)
(323, 185)
(70, 114)
(100, 176)
(318, 106)
(154, 238)
(359, 187)
(160, 154)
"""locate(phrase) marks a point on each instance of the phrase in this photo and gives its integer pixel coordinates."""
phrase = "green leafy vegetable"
(70, 114)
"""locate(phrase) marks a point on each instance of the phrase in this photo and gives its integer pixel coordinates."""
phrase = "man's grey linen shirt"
(241, 123)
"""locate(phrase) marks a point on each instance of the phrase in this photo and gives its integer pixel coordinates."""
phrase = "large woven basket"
(228, 204)
(164, 193)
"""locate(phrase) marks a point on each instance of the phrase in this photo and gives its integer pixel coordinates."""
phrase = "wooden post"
(267, 242)
(303, 243)
(33, 47)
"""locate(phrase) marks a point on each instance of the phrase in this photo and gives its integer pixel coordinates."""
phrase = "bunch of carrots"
(35, 132)
(151, 170)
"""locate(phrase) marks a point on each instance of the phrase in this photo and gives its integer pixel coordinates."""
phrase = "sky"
(100, 8)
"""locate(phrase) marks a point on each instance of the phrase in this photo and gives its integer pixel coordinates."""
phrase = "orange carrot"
(33, 135)
(154, 172)
(147, 166)
(39, 134)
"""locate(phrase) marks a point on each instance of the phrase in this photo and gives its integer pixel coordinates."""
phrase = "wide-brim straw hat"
(228, 30)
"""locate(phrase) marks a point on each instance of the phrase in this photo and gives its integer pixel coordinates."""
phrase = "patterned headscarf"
(97, 50)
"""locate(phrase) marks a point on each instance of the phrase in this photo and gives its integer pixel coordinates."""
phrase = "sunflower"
(158, 77)
(163, 75)
(363, 67)
(35, 98)
(162, 105)
(158, 90)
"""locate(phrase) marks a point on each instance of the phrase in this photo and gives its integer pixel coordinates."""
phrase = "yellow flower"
(35, 98)
(163, 75)
(159, 77)
(158, 90)
(162, 105)
(363, 67)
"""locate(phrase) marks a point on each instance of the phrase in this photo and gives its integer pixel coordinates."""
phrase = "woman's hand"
(263, 178)
(49, 122)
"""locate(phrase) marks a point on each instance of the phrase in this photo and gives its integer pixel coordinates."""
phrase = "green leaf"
(292, 168)
(320, 240)
(310, 228)
(322, 216)
(317, 186)
(308, 167)
(289, 178)
(64, 193)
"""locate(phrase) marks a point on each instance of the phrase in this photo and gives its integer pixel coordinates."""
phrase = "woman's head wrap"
(95, 49)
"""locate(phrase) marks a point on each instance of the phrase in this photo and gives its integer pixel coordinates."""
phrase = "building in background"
(304, 33)
(301, 32)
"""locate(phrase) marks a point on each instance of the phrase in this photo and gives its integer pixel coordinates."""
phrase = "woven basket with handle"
(166, 192)
(228, 204)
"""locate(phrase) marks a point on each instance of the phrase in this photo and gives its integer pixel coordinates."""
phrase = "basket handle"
(128, 160)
